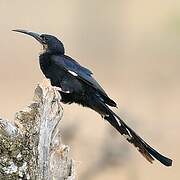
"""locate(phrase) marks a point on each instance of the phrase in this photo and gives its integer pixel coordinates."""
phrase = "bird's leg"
(58, 89)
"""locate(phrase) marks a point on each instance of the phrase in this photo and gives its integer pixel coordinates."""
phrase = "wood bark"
(31, 147)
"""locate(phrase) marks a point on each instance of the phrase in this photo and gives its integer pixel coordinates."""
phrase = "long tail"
(146, 150)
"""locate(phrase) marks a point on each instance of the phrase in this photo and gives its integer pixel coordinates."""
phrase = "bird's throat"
(44, 48)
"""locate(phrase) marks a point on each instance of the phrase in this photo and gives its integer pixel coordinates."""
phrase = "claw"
(60, 89)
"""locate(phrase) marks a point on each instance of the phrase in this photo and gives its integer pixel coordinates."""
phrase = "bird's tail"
(146, 150)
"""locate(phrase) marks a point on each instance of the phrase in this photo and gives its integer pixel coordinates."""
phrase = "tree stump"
(31, 147)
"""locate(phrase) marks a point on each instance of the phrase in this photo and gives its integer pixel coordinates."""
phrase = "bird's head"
(50, 43)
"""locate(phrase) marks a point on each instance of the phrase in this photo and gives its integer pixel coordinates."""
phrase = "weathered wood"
(31, 147)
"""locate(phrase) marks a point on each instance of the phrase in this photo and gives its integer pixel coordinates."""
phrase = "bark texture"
(31, 147)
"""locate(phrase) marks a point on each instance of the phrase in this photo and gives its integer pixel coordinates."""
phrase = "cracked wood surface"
(31, 147)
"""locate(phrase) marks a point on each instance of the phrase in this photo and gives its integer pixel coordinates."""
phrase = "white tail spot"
(129, 132)
(117, 121)
(127, 136)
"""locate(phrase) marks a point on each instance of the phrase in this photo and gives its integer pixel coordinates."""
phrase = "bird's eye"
(44, 38)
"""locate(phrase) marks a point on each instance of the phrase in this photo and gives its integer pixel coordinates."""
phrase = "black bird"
(76, 84)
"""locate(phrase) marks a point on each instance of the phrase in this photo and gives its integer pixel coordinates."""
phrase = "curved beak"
(32, 34)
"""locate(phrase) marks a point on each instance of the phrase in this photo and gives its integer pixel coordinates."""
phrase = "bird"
(76, 84)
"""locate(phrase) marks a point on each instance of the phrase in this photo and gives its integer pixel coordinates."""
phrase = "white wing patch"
(73, 73)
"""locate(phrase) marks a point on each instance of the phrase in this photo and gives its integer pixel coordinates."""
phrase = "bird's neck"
(45, 62)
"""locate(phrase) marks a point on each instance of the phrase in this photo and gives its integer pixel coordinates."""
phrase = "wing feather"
(82, 73)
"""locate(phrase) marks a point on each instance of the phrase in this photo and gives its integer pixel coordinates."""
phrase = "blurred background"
(133, 48)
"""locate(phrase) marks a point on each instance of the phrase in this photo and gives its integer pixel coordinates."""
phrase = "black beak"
(33, 34)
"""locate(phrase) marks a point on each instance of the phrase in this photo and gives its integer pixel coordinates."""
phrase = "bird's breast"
(58, 76)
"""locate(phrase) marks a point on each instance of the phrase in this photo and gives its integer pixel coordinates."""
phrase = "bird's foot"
(60, 89)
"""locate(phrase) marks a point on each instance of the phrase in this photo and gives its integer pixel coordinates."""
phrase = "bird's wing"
(82, 73)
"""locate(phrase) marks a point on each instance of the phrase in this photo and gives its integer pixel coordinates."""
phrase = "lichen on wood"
(31, 147)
